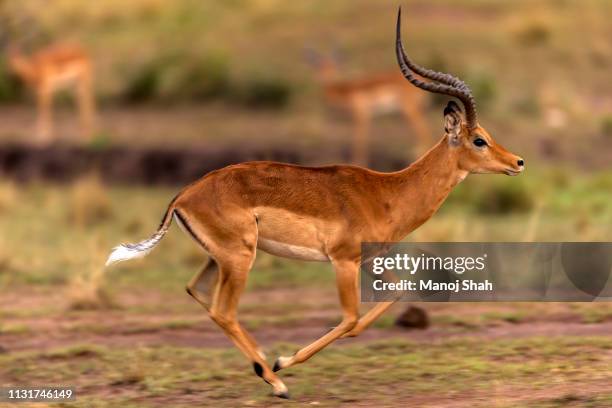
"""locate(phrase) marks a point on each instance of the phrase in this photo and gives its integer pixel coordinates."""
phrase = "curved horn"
(449, 85)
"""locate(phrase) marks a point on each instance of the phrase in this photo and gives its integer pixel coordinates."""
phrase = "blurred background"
(149, 95)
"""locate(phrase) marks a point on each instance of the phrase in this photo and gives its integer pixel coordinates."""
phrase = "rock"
(413, 318)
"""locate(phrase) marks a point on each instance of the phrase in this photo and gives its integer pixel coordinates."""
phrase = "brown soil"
(42, 321)
(186, 324)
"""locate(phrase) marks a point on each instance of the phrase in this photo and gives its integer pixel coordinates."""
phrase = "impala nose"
(520, 162)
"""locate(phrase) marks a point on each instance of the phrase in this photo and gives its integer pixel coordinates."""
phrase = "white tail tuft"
(125, 252)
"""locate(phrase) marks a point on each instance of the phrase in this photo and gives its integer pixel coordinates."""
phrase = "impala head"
(474, 147)
(326, 66)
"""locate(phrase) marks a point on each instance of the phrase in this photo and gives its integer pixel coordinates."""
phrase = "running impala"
(321, 214)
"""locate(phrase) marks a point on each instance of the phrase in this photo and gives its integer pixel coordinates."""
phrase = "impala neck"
(420, 189)
(19, 63)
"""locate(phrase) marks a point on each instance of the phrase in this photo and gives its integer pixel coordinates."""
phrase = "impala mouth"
(512, 172)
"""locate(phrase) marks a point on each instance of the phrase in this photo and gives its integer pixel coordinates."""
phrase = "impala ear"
(453, 118)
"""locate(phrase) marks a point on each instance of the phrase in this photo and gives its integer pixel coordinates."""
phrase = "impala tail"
(140, 249)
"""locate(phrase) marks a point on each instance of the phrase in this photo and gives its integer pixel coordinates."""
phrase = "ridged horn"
(449, 85)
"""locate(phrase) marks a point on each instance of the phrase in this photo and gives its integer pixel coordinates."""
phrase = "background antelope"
(321, 214)
(49, 70)
(367, 96)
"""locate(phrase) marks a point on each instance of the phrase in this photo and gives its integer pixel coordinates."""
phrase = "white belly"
(291, 251)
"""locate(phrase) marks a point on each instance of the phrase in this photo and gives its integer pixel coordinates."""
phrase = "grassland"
(130, 336)
(540, 372)
(185, 72)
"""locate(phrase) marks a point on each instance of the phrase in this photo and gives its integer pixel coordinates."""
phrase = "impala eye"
(480, 142)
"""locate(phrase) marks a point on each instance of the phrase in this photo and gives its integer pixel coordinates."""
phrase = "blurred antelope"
(320, 214)
(370, 95)
(47, 71)
(52, 69)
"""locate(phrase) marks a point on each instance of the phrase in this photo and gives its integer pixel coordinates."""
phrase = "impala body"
(371, 95)
(321, 214)
(50, 70)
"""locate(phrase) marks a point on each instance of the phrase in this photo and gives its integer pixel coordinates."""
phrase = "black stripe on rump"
(188, 228)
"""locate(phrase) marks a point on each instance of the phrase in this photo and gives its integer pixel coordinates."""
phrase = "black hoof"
(283, 395)
(276, 366)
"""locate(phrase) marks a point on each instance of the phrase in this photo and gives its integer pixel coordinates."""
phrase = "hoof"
(277, 366)
(280, 390)
(283, 395)
(282, 362)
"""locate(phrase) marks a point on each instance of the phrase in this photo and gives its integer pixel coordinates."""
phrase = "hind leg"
(223, 311)
(44, 120)
(232, 243)
(202, 288)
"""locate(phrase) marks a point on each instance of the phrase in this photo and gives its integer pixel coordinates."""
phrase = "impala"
(320, 214)
(368, 96)
(50, 70)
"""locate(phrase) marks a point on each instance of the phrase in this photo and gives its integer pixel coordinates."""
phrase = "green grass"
(593, 313)
(14, 329)
(386, 372)
(486, 319)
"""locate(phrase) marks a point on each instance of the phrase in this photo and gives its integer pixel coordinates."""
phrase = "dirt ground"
(40, 327)
(185, 325)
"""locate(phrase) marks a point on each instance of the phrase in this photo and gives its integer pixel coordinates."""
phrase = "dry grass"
(86, 291)
(89, 203)
(4, 257)
(533, 221)
(9, 196)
